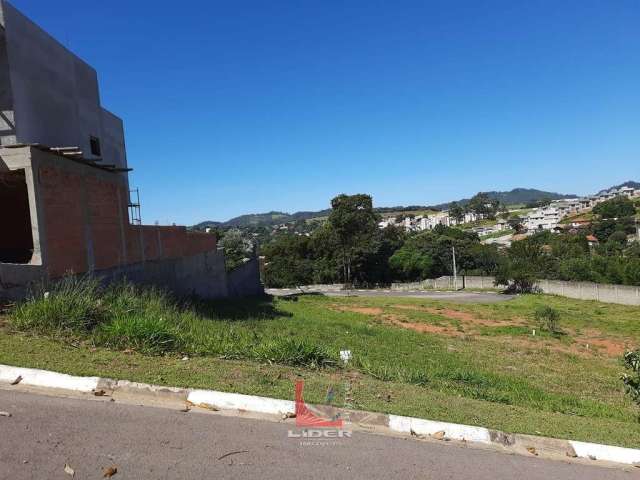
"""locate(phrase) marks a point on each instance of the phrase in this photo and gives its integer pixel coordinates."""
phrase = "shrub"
(147, 334)
(548, 319)
(518, 276)
(72, 304)
(298, 353)
(631, 380)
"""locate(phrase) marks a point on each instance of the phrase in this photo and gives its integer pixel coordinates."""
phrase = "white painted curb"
(236, 401)
(606, 452)
(252, 403)
(44, 378)
(453, 431)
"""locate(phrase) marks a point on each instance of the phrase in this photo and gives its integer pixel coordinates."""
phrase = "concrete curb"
(44, 378)
(224, 401)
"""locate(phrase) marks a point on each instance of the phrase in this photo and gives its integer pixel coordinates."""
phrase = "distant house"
(592, 241)
(546, 218)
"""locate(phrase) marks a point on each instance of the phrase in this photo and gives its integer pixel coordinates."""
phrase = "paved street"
(456, 297)
(45, 433)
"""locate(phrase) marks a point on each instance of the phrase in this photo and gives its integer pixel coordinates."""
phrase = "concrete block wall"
(621, 294)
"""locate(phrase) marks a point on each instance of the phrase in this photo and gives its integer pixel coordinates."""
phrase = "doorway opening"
(16, 239)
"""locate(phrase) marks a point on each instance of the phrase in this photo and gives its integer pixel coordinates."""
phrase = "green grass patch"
(513, 330)
(261, 345)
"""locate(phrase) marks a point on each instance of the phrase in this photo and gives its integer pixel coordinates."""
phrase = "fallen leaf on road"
(109, 472)
(532, 451)
(68, 470)
(288, 415)
(17, 380)
(99, 393)
(439, 435)
(5, 414)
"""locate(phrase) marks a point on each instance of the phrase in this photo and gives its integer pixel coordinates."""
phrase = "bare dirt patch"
(611, 348)
(402, 322)
(589, 344)
(581, 346)
(463, 317)
(363, 310)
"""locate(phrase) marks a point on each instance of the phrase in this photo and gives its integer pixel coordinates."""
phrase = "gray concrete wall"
(442, 283)
(621, 294)
(15, 280)
(49, 95)
(202, 275)
(244, 281)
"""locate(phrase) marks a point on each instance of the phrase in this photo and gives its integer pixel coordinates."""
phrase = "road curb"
(213, 400)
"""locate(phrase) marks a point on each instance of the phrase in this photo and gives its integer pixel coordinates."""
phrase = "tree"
(515, 223)
(354, 222)
(526, 261)
(288, 261)
(237, 249)
(618, 207)
(482, 204)
(456, 212)
(372, 257)
(606, 227)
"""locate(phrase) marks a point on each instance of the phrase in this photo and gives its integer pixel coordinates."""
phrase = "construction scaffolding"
(135, 218)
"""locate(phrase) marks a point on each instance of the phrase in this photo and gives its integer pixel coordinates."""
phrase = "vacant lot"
(474, 364)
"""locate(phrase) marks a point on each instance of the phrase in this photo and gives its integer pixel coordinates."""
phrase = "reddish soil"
(609, 347)
(363, 310)
(588, 344)
(464, 317)
(401, 322)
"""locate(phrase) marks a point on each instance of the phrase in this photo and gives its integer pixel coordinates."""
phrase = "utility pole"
(455, 272)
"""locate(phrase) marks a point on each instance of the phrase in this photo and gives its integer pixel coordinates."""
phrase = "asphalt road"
(45, 433)
(456, 297)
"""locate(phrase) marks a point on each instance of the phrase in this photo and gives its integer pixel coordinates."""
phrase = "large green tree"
(354, 223)
(288, 261)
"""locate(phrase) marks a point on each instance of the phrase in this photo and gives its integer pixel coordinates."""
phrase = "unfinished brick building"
(64, 189)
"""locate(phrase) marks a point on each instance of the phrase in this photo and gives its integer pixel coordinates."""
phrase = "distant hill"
(262, 219)
(515, 196)
(630, 183)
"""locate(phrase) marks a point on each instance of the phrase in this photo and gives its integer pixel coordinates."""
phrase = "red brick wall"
(77, 206)
(104, 219)
(64, 219)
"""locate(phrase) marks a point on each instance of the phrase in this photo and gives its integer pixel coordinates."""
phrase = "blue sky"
(250, 106)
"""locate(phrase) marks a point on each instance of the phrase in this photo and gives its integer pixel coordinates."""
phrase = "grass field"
(474, 364)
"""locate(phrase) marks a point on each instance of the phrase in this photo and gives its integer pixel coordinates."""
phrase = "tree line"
(350, 248)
